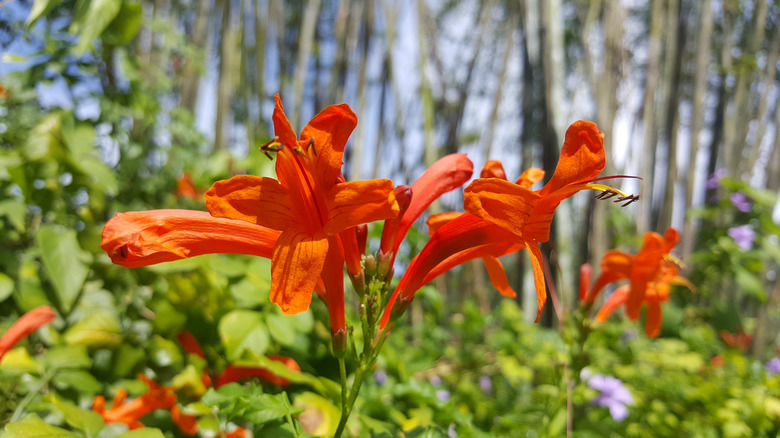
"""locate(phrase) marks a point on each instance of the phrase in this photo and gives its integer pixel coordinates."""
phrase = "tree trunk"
(192, 69)
(305, 45)
(225, 82)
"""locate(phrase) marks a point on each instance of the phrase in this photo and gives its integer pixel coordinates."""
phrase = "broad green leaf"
(19, 361)
(146, 432)
(29, 294)
(248, 294)
(281, 328)
(99, 14)
(750, 283)
(32, 427)
(100, 329)
(6, 287)
(164, 353)
(227, 265)
(100, 173)
(126, 24)
(278, 368)
(80, 140)
(320, 413)
(126, 358)
(67, 356)
(44, 137)
(270, 407)
(67, 272)
(79, 380)
(243, 331)
(15, 210)
(85, 420)
(38, 10)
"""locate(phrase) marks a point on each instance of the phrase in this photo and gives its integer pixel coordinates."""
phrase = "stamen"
(272, 146)
(675, 260)
(608, 192)
(123, 251)
(298, 151)
(311, 145)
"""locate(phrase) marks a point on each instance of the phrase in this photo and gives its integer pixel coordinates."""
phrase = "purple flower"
(485, 384)
(443, 395)
(743, 235)
(452, 431)
(613, 395)
(773, 366)
(714, 181)
(435, 380)
(742, 202)
(380, 377)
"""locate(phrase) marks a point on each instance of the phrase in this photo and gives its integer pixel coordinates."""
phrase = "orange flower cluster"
(650, 272)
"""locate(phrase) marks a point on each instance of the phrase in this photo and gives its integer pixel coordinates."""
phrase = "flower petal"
(142, 238)
(653, 319)
(497, 276)
(330, 129)
(615, 265)
(536, 265)
(296, 265)
(437, 220)
(488, 251)
(403, 195)
(333, 278)
(530, 177)
(618, 297)
(493, 169)
(25, 326)
(582, 157)
(282, 127)
(254, 199)
(504, 203)
(359, 202)
(446, 174)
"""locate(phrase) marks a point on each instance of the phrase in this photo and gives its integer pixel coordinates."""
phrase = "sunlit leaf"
(243, 331)
(99, 14)
(126, 24)
(90, 422)
(44, 138)
(100, 329)
(38, 10)
(32, 427)
(15, 211)
(60, 252)
(281, 328)
(19, 361)
(6, 286)
(80, 380)
(67, 356)
(145, 432)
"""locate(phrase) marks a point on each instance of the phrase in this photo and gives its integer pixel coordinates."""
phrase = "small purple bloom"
(714, 181)
(613, 395)
(435, 381)
(380, 377)
(443, 395)
(742, 202)
(485, 384)
(773, 366)
(628, 335)
(743, 235)
(451, 431)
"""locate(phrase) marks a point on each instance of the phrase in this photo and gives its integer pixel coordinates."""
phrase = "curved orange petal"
(488, 251)
(536, 264)
(359, 202)
(142, 238)
(25, 326)
(282, 127)
(254, 199)
(403, 195)
(352, 252)
(330, 129)
(586, 272)
(530, 177)
(646, 263)
(190, 344)
(437, 220)
(493, 169)
(333, 278)
(618, 297)
(296, 265)
(504, 203)
(188, 424)
(446, 174)
(653, 319)
(615, 265)
(671, 237)
(582, 157)
(497, 276)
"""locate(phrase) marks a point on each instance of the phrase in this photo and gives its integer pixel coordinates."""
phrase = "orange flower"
(25, 326)
(234, 373)
(185, 186)
(739, 340)
(142, 238)
(527, 215)
(308, 203)
(656, 292)
(650, 264)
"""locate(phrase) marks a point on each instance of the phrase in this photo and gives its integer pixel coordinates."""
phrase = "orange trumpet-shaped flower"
(640, 269)
(307, 203)
(234, 373)
(143, 238)
(656, 292)
(526, 214)
(25, 326)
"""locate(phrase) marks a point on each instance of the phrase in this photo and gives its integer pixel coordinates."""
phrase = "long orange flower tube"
(527, 215)
(25, 326)
(656, 292)
(142, 238)
(639, 269)
(307, 203)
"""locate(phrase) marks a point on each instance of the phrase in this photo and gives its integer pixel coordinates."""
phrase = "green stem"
(349, 404)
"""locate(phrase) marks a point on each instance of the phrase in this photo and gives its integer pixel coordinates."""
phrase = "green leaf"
(750, 283)
(80, 380)
(100, 329)
(15, 210)
(67, 272)
(19, 361)
(243, 331)
(31, 427)
(100, 173)
(6, 287)
(146, 432)
(44, 137)
(29, 294)
(249, 402)
(98, 15)
(269, 408)
(164, 353)
(85, 420)
(281, 328)
(67, 356)
(80, 140)
(126, 24)
(38, 10)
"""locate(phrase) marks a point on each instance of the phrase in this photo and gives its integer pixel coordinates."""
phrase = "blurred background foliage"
(117, 105)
